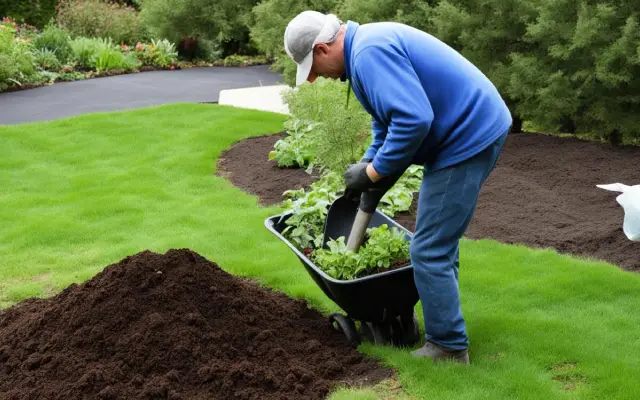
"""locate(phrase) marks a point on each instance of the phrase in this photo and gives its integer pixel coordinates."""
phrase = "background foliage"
(33, 12)
(97, 18)
(32, 57)
(568, 66)
(212, 26)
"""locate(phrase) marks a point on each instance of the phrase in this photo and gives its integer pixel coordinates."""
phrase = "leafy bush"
(85, 50)
(112, 59)
(47, 60)
(193, 21)
(33, 12)
(97, 18)
(163, 52)
(56, 40)
(340, 134)
(463, 25)
(102, 55)
(383, 247)
(295, 149)
(17, 64)
(70, 76)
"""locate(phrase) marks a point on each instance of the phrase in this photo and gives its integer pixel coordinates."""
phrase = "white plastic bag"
(630, 202)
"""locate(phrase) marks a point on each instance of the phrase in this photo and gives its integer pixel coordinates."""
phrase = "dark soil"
(247, 166)
(173, 326)
(542, 194)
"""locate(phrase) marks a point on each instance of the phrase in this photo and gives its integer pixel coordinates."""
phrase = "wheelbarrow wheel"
(378, 334)
(411, 331)
(345, 325)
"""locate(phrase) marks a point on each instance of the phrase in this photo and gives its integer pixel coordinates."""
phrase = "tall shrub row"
(569, 66)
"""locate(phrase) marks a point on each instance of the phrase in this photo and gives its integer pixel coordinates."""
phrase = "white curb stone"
(264, 98)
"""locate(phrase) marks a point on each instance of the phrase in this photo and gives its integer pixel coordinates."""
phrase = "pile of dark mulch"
(542, 193)
(173, 326)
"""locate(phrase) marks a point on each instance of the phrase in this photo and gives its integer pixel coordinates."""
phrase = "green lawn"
(78, 194)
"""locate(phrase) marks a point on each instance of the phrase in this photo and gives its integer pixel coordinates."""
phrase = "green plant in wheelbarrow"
(383, 248)
(308, 211)
(358, 256)
(325, 206)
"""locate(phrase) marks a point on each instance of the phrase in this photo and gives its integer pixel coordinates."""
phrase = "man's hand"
(356, 177)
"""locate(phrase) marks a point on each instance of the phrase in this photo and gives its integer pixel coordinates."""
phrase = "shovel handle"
(358, 230)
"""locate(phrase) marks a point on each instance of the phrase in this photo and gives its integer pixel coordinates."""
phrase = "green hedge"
(570, 66)
(33, 12)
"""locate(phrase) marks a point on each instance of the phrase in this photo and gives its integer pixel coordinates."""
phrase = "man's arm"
(396, 94)
(379, 132)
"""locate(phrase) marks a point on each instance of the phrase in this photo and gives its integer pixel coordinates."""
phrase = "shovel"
(349, 215)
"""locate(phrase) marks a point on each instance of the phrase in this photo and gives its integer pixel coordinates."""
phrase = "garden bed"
(246, 166)
(542, 193)
(173, 326)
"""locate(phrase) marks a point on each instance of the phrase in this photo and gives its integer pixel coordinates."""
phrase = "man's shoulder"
(377, 34)
(385, 36)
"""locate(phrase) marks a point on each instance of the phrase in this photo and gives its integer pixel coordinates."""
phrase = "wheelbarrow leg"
(345, 325)
(408, 331)
(376, 333)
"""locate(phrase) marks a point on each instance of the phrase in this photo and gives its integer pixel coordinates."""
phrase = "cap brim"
(304, 69)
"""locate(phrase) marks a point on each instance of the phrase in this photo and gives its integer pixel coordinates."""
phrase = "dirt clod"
(133, 333)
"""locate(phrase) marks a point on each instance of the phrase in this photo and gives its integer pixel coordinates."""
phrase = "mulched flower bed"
(542, 193)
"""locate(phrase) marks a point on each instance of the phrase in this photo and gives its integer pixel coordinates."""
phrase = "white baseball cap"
(302, 34)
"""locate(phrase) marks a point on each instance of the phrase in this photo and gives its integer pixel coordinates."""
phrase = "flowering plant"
(161, 53)
(26, 31)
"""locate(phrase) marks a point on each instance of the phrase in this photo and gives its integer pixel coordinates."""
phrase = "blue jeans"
(446, 203)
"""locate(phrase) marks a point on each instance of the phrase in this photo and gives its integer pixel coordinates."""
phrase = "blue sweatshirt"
(429, 105)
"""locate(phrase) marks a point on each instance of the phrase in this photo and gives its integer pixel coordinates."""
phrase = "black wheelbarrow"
(382, 305)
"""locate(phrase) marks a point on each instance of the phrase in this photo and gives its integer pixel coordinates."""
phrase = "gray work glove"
(356, 178)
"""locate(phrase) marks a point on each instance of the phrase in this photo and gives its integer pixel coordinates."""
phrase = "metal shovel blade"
(340, 218)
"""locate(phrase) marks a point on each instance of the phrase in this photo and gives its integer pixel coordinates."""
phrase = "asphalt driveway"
(125, 92)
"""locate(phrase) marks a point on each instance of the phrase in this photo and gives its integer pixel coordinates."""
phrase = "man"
(429, 106)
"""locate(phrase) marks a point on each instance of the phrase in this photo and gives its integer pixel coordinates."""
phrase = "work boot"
(437, 353)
